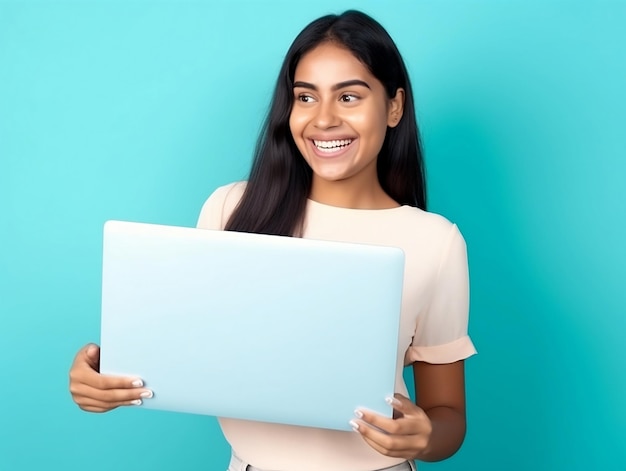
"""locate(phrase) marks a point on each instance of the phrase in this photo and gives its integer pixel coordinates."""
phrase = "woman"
(339, 159)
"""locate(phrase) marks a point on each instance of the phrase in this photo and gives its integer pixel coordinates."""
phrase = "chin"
(333, 177)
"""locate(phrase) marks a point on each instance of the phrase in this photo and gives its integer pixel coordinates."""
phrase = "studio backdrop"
(138, 110)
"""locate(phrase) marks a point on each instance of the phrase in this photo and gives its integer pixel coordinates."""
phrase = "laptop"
(249, 326)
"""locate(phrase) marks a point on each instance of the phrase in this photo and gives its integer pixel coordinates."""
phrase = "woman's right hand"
(94, 392)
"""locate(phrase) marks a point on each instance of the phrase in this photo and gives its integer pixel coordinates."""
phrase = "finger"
(92, 356)
(104, 382)
(109, 405)
(82, 373)
(112, 396)
(107, 400)
(400, 446)
(405, 406)
(93, 409)
(92, 405)
(386, 425)
(393, 453)
(409, 419)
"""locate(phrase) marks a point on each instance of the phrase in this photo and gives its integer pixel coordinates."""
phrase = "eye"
(348, 98)
(305, 98)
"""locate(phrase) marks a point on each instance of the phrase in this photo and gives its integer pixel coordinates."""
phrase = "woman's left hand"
(406, 436)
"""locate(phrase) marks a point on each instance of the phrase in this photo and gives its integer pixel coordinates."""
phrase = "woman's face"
(340, 115)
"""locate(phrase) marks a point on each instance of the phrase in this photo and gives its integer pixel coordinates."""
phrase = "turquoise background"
(138, 110)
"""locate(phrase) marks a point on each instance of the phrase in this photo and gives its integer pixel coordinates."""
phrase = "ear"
(396, 108)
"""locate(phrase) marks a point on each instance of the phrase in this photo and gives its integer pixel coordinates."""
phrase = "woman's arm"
(440, 391)
(431, 430)
(94, 392)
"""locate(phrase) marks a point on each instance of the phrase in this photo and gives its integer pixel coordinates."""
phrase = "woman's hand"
(432, 431)
(94, 392)
(406, 436)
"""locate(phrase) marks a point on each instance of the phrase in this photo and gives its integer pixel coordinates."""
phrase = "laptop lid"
(258, 327)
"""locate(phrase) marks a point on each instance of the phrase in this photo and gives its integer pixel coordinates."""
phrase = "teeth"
(332, 146)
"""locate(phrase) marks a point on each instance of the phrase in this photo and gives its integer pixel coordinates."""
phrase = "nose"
(326, 116)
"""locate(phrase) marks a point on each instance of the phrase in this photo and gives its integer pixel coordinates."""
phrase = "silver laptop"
(249, 326)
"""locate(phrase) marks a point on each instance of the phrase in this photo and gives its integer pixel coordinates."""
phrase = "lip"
(330, 155)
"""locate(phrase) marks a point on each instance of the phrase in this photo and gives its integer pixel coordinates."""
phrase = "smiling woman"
(339, 121)
(339, 159)
(279, 184)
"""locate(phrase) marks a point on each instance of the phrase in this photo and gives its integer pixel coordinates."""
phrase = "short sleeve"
(219, 206)
(441, 334)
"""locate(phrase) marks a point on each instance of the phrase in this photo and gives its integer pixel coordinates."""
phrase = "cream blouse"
(433, 327)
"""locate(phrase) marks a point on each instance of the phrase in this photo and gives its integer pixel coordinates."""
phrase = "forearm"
(448, 432)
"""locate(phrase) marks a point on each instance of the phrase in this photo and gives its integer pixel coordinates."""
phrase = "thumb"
(402, 405)
(92, 353)
(405, 406)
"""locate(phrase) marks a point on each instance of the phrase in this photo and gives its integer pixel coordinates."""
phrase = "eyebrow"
(337, 86)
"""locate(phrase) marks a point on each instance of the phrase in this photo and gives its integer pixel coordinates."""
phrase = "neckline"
(342, 208)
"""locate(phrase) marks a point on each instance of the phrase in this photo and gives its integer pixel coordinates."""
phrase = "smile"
(332, 146)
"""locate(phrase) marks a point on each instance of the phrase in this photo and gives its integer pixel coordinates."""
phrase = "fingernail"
(358, 413)
(136, 402)
(137, 383)
(354, 425)
(392, 401)
(147, 394)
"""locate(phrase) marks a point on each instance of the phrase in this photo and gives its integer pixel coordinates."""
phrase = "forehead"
(330, 63)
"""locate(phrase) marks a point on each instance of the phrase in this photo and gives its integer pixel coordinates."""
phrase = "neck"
(351, 194)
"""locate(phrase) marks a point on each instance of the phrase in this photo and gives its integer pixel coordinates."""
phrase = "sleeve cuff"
(459, 349)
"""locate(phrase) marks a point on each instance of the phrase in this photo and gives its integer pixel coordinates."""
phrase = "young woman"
(339, 159)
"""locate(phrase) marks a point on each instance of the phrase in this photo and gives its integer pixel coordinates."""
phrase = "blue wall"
(138, 110)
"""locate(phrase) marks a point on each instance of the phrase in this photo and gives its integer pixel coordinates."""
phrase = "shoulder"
(429, 225)
(228, 194)
(430, 241)
(424, 237)
(219, 206)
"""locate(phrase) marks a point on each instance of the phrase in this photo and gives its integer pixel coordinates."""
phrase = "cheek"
(370, 118)
(291, 123)
(296, 125)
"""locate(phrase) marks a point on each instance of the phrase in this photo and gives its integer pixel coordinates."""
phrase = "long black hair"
(279, 184)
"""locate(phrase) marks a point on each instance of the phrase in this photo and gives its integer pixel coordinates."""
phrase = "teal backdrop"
(137, 110)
